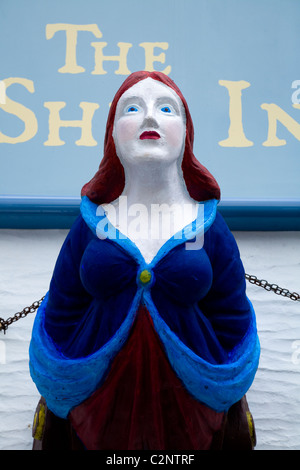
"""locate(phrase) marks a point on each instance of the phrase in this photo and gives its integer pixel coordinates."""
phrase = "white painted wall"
(27, 259)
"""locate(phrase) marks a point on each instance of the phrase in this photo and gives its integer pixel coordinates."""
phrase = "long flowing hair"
(109, 181)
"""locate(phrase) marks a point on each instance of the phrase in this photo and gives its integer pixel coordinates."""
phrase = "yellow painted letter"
(121, 58)
(23, 113)
(236, 136)
(71, 42)
(275, 113)
(55, 123)
(150, 57)
(2, 92)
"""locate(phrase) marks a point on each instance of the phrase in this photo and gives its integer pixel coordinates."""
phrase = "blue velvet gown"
(145, 355)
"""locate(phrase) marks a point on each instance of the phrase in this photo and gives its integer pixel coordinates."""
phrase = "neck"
(155, 183)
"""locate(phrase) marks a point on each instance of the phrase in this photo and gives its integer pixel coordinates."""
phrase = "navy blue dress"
(194, 295)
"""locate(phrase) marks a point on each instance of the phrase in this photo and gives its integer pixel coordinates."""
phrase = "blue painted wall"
(235, 62)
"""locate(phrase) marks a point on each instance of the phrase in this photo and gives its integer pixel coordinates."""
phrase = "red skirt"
(142, 404)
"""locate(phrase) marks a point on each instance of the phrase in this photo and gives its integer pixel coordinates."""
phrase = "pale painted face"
(149, 124)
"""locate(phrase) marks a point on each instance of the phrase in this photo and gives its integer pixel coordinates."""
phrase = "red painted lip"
(150, 135)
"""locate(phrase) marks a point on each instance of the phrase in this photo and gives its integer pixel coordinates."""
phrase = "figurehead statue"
(146, 338)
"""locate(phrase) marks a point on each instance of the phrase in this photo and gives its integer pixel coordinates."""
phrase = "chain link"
(272, 287)
(4, 324)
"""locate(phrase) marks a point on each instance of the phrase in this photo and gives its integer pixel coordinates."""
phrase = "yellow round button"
(145, 276)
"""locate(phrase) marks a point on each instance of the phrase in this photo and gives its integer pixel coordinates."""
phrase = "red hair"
(109, 181)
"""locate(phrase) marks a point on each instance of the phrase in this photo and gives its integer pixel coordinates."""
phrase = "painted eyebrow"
(132, 99)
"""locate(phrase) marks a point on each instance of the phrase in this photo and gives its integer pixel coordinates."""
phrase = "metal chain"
(4, 324)
(272, 287)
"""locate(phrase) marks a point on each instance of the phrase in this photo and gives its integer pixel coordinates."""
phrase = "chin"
(154, 156)
(153, 160)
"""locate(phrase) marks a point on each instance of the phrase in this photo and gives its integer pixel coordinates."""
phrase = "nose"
(150, 118)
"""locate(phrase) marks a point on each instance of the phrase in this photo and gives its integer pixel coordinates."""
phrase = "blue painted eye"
(166, 109)
(132, 109)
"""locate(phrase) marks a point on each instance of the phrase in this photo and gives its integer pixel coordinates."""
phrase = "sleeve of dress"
(226, 305)
(65, 361)
(67, 297)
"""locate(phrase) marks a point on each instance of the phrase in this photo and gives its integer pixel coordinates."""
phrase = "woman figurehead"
(109, 181)
(174, 324)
